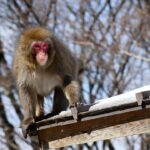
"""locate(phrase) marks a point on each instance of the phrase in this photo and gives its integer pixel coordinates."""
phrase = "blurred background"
(112, 37)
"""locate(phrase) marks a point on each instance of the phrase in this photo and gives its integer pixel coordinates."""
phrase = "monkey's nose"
(42, 53)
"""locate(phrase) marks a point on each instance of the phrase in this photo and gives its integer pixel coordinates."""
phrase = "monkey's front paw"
(39, 118)
(26, 129)
(25, 132)
(26, 125)
(74, 112)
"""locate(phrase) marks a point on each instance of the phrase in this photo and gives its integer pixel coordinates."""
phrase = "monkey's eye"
(36, 47)
(45, 46)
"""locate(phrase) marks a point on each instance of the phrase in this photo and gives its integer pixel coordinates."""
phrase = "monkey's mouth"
(42, 60)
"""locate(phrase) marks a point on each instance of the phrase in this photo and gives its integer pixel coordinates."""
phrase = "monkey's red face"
(41, 52)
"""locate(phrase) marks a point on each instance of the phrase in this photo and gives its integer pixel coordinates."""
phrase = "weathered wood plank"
(122, 115)
(62, 130)
(127, 129)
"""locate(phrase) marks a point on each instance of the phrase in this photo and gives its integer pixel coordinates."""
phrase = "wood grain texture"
(127, 129)
(97, 121)
(98, 127)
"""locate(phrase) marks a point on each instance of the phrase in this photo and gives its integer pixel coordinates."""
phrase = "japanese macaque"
(42, 63)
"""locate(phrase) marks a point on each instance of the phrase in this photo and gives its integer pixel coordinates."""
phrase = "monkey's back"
(64, 60)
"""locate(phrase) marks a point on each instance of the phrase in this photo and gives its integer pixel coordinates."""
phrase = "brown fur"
(34, 81)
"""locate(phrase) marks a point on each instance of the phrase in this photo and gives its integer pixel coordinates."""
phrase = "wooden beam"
(127, 129)
(122, 115)
(56, 134)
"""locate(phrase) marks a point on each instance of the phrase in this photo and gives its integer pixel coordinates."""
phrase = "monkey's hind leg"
(72, 94)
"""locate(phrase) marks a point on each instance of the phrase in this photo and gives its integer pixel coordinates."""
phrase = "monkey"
(42, 64)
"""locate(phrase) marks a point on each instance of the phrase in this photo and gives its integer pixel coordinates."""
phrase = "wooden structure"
(122, 115)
